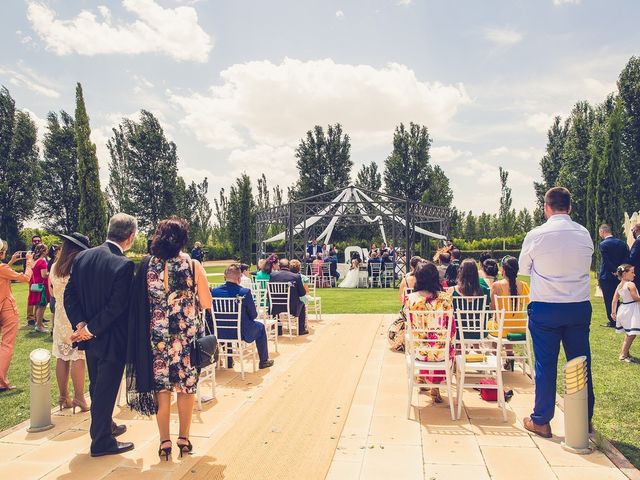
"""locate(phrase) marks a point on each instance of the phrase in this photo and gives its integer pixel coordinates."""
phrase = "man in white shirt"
(557, 256)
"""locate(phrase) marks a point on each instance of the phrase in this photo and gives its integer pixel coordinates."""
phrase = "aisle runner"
(293, 431)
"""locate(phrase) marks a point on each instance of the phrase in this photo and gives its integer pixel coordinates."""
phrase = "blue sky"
(237, 83)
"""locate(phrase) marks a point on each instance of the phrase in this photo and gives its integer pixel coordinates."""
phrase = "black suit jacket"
(634, 259)
(98, 294)
(297, 291)
(614, 252)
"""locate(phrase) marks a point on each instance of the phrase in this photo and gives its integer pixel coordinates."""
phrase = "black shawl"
(139, 367)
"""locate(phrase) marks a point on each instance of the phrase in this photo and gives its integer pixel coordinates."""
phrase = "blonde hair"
(622, 269)
(4, 246)
(294, 266)
(261, 263)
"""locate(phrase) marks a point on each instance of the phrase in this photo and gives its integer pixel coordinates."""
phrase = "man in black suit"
(374, 259)
(634, 254)
(613, 252)
(96, 300)
(296, 307)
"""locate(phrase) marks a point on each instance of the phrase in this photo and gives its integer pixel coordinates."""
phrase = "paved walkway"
(355, 429)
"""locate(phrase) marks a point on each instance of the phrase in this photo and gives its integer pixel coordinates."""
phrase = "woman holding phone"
(9, 318)
(39, 285)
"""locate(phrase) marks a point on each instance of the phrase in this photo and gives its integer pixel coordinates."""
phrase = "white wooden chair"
(314, 303)
(270, 324)
(363, 275)
(208, 373)
(516, 320)
(479, 356)
(421, 325)
(279, 296)
(227, 317)
(375, 274)
(326, 277)
(387, 278)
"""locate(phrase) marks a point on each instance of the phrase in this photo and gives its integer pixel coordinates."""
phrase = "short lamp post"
(40, 380)
(576, 411)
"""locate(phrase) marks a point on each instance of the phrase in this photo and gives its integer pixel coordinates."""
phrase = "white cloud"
(498, 151)
(405, 2)
(568, 2)
(447, 153)
(41, 126)
(540, 121)
(340, 14)
(23, 76)
(503, 36)
(171, 31)
(273, 104)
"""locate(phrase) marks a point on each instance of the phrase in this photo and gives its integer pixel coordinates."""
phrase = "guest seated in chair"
(332, 260)
(374, 258)
(296, 307)
(251, 330)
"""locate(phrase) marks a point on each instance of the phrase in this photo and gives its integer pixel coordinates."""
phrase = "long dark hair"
(427, 278)
(511, 268)
(171, 236)
(66, 256)
(468, 279)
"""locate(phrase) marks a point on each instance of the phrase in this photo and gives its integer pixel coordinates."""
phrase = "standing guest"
(557, 256)
(70, 360)
(373, 249)
(428, 296)
(409, 279)
(250, 329)
(39, 286)
(488, 272)
(169, 289)
(451, 274)
(613, 252)
(51, 259)
(96, 301)
(332, 260)
(196, 252)
(9, 318)
(245, 279)
(316, 266)
(313, 249)
(296, 307)
(634, 253)
(628, 315)
(31, 309)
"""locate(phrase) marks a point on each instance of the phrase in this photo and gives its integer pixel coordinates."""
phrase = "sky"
(237, 83)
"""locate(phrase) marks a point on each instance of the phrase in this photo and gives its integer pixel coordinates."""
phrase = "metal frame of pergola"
(398, 216)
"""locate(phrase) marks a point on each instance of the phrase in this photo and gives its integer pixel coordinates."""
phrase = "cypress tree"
(92, 212)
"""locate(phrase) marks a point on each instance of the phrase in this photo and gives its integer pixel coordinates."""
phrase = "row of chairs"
(380, 275)
(226, 319)
(481, 346)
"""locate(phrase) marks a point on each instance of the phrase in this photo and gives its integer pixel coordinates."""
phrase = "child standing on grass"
(628, 316)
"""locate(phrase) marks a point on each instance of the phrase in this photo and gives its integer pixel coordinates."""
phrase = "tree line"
(595, 153)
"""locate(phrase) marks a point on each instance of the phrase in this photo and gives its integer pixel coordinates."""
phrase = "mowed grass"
(617, 385)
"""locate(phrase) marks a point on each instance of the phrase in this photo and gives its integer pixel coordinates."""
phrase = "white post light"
(576, 411)
(40, 380)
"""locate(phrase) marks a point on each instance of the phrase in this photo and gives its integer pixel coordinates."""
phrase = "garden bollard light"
(576, 412)
(40, 390)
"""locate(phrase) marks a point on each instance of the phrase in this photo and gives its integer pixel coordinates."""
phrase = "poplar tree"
(92, 210)
(369, 177)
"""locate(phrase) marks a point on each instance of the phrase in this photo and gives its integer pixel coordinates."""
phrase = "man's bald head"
(284, 263)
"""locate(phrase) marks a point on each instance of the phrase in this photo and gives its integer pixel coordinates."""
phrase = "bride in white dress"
(351, 280)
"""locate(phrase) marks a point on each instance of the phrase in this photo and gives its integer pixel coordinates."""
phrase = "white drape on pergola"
(339, 206)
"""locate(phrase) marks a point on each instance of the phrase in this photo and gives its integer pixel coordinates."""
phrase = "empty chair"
(514, 331)
(314, 303)
(262, 306)
(325, 272)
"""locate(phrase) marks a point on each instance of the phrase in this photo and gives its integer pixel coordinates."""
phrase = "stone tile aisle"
(378, 442)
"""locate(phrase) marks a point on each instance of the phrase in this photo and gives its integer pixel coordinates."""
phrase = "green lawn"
(616, 385)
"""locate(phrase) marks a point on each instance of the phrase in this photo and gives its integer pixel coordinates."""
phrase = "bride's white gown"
(352, 277)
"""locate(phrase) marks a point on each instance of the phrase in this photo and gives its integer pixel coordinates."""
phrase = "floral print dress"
(429, 351)
(174, 323)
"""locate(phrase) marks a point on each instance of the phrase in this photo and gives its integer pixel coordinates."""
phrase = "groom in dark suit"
(96, 300)
(614, 252)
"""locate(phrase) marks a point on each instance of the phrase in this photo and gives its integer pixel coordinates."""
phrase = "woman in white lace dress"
(70, 360)
(353, 275)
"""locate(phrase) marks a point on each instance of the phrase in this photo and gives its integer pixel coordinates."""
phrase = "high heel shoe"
(435, 395)
(184, 447)
(82, 405)
(64, 402)
(166, 451)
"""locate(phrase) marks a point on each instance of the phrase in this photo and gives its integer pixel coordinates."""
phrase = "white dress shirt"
(557, 256)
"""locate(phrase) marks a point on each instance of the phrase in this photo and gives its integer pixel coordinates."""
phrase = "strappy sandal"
(166, 451)
(185, 448)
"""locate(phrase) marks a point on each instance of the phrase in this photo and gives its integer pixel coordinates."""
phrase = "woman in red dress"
(39, 286)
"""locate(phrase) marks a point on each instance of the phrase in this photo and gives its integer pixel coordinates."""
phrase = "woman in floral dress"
(173, 283)
(429, 297)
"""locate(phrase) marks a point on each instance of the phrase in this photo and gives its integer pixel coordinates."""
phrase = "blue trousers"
(550, 324)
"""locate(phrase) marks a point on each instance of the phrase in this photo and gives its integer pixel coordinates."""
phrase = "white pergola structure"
(317, 217)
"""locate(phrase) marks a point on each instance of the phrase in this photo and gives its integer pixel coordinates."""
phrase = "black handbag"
(204, 350)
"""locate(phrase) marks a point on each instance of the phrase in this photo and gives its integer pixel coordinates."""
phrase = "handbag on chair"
(204, 350)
